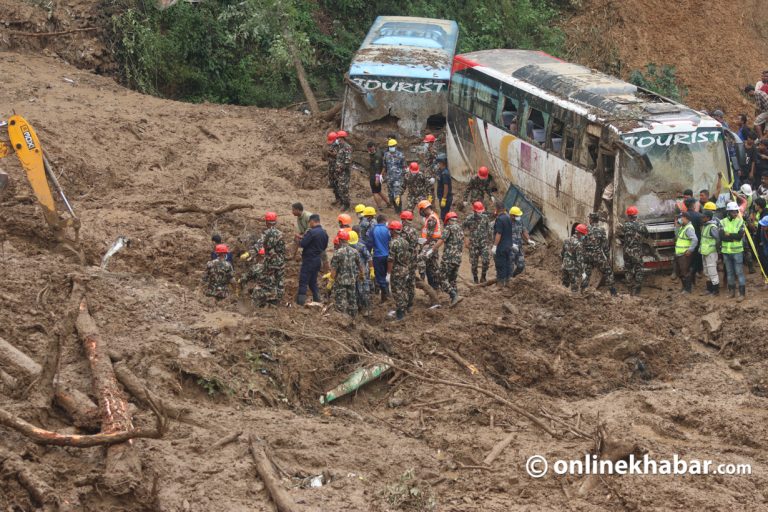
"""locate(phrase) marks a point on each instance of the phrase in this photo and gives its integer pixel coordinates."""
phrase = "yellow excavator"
(23, 141)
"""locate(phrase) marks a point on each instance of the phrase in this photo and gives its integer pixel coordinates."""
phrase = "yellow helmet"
(353, 238)
(369, 211)
(391, 142)
(360, 208)
(517, 212)
(709, 205)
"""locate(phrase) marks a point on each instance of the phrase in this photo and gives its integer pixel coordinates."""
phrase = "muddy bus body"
(571, 140)
(398, 79)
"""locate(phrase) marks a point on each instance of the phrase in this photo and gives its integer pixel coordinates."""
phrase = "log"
(47, 437)
(300, 74)
(483, 285)
(41, 493)
(225, 441)
(472, 369)
(421, 285)
(12, 358)
(8, 381)
(122, 473)
(264, 468)
(500, 447)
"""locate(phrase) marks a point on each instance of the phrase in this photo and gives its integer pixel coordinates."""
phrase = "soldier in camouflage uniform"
(343, 162)
(479, 186)
(345, 270)
(595, 244)
(256, 273)
(480, 228)
(418, 185)
(453, 240)
(218, 274)
(369, 219)
(430, 156)
(431, 233)
(330, 156)
(271, 286)
(411, 236)
(633, 234)
(573, 259)
(399, 269)
(393, 171)
(363, 286)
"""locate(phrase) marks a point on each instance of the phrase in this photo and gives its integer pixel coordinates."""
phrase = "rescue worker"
(369, 217)
(686, 242)
(378, 242)
(710, 239)
(411, 236)
(444, 184)
(343, 162)
(573, 259)
(359, 209)
(431, 233)
(479, 186)
(399, 264)
(216, 239)
(374, 174)
(313, 245)
(453, 240)
(330, 156)
(430, 156)
(632, 235)
(302, 225)
(502, 245)
(393, 169)
(480, 230)
(363, 284)
(345, 270)
(519, 236)
(595, 244)
(273, 285)
(731, 237)
(255, 273)
(418, 185)
(345, 221)
(218, 274)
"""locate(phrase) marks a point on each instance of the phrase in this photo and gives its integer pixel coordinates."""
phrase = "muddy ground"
(647, 368)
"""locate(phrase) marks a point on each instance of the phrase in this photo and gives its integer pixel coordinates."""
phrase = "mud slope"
(638, 365)
(716, 46)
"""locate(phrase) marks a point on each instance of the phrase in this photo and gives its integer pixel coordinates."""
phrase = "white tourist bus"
(573, 140)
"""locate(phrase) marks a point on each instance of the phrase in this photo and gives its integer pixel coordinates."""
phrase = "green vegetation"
(229, 51)
(661, 80)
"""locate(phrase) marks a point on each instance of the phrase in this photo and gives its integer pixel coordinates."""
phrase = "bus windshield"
(672, 162)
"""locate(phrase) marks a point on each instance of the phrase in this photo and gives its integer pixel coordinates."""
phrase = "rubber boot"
(709, 289)
(751, 265)
(399, 315)
(316, 297)
(688, 287)
(636, 290)
(613, 291)
(716, 289)
(474, 276)
(301, 300)
(384, 294)
(732, 291)
(482, 276)
(455, 299)
(742, 291)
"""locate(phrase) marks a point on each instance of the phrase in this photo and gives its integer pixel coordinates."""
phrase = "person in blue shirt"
(378, 241)
(313, 245)
(216, 239)
(444, 185)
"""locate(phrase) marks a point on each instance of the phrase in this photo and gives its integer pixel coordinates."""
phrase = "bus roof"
(620, 103)
(404, 46)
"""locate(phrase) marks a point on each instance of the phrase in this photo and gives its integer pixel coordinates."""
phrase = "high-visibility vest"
(708, 242)
(732, 227)
(438, 230)
(683, 240)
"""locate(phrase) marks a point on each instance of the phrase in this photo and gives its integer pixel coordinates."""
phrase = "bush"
(235, 51)
(661, 80)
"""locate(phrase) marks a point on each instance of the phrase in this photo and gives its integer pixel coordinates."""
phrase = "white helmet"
(746, 189)
(732, 207)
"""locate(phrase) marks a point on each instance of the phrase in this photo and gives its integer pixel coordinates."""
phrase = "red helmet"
(429, 138)
(344, 219)
(262, 252)
(482, 172)
(221, 249)
(336, 241)
(478, 206)
(332, 137)
(406, 215)
(581, 228)
(343, 235)
(341, 134)
(632, 211)
(414, 168)
(270, 217)
(395, 225)
(451, 215)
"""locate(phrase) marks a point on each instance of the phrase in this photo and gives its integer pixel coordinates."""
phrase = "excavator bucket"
(27, 146)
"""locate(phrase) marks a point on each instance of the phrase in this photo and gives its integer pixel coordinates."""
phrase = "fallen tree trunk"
(123, 468)
(264, 468)
(11, 357)
(428, 290)
(500, 446)
(41, 493)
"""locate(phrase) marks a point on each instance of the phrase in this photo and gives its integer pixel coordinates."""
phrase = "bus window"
(588, 154)
(486, 99)
(555, 142)
(536, 126)
(509, 114)
(570, 144)
(461, 95)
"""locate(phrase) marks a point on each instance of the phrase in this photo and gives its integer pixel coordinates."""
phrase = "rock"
(735, 365)
(712, 322)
